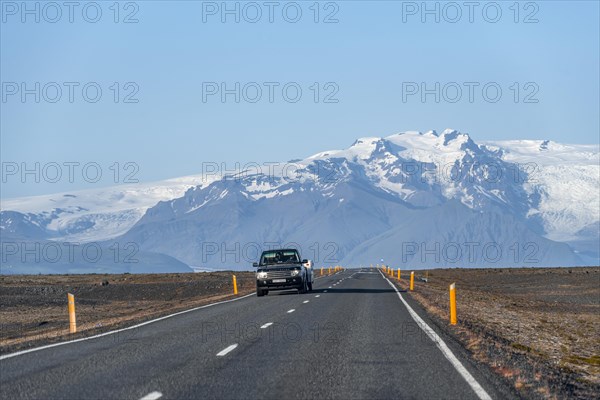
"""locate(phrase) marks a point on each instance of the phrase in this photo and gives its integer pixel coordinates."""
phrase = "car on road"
(283, 269)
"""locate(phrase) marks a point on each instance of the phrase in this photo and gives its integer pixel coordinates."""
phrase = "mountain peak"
(462, 140)
(449, 131)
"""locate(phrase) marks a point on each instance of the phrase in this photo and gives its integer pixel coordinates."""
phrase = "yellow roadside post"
(412, 280)
(398, 273)
(329, 271)
(321, 271)
(72, 321)
(234, 285)
(453, 304)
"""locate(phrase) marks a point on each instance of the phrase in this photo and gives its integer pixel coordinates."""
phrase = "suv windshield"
(279, 257)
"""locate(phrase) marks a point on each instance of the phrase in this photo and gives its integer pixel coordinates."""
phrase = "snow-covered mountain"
(415, 199)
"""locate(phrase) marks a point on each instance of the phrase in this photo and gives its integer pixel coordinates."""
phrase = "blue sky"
(368, 61)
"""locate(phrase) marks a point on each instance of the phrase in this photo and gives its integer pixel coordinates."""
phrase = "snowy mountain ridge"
(547, 189)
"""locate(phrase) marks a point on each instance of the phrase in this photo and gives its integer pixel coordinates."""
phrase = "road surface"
(353, 337)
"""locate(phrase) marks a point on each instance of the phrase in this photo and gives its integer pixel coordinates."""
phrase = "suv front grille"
(286, 273)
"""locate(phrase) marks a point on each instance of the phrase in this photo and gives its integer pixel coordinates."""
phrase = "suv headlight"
(295, 272)
(261, 275)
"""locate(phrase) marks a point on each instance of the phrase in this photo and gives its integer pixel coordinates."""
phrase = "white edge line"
(227, 350)
(18, 353)
(152, 396)
(479, 391)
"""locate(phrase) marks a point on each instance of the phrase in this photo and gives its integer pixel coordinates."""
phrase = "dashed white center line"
(324, 291)
(152, 396)
(291, 311)
(268, 324)
(226, 350)
(318, 295)
(329, 287)
(305, 301)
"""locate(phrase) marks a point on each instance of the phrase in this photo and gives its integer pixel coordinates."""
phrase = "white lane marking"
(324, 291)
(18, 353)
(479, 391)
(318, 295)
(291, 311)
(226, 350)
(305, 301)
(329, 287)
(152, 396)
(268, 324)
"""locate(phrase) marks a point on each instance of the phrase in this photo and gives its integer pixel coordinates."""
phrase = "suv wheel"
(303, 288)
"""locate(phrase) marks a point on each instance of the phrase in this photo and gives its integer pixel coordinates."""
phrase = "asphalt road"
(351, 338)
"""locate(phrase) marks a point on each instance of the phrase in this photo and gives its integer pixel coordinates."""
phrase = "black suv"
(283, 269)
